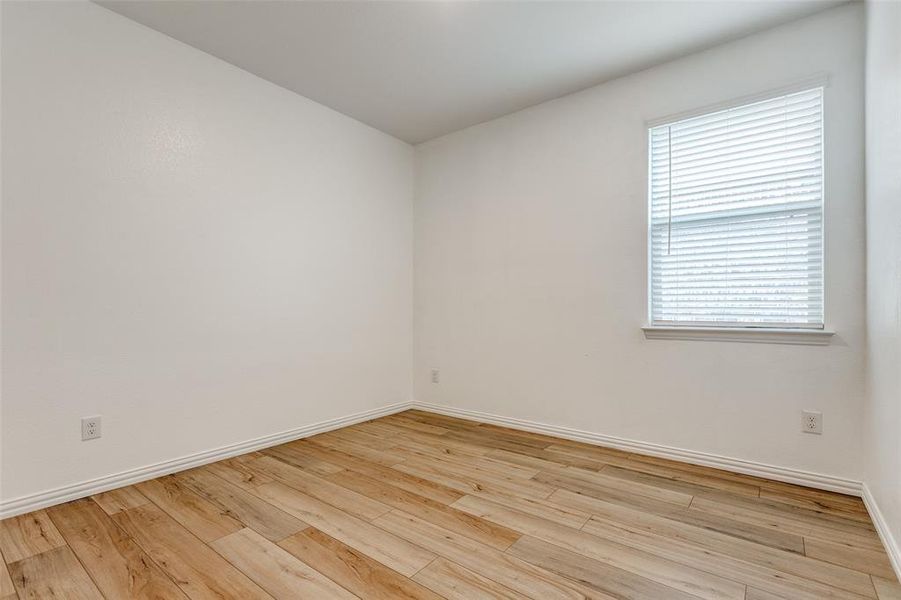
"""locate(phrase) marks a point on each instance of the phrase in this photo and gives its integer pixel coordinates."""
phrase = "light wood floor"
(418, 505)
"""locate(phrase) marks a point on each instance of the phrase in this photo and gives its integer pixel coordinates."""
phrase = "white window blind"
(736, 216)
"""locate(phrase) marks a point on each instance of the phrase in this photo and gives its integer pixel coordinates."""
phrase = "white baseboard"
(25, 504)
(787, 475)
(885, 533)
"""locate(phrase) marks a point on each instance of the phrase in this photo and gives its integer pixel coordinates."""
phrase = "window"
(736, 216)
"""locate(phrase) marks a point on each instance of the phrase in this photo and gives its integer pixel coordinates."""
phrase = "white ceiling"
(418, 70)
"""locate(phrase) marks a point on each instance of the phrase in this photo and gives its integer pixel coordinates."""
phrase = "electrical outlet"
(436, 376)
(812, 421)
(90, 428)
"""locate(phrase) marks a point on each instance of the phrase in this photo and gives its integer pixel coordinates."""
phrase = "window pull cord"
(669, 187)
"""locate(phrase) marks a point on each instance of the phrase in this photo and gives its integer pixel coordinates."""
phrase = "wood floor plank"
(435, 446)
(868, 560)
(199, 516)
(385, 458)
(27, 535)
(745, 531)
(276, 570)
(492, 564)
(820, 505)
(7, 590)
(338, 496)
(490, 431)
(296, 456)
(114, 561)
(120, 499)
(535, 460)
(493, 442)
(646, 564)
(393, 432)
(669, 483)
(782, 509)
(445, 421)
(502, 469)
(546, 460)
(617, 582)
(887, 589)
(822, 498)
(779, 560)
(566, 481)
(459, 583)
(698, 469)
(575, 478)
(390, 550)
(537, 439)
(262, 517)
(769, 489)
(492, 474)
(359, 435)
(755, 594)
(416, 425)
(546, 509)
(595, 454)
(353, 570)
(474, 479)
(199, 571)
(689, 555)
(53, 575)
(237, 473)
(574, 492)
(482, 531)
(411, 483)
(802, 525)
(701, 479)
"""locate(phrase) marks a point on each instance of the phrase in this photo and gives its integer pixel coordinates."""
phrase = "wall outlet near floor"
(811, 421)
(436, 376)
(90, 428)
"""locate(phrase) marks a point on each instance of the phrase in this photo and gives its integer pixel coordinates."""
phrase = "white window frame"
(747, 333)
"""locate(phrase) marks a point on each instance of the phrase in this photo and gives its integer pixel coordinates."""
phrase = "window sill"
(803, 337)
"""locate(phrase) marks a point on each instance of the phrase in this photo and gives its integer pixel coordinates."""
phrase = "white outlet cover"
(90, 428)
(812, 421)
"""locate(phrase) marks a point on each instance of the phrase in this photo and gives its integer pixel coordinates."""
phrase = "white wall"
(882, 432)
(197, 255)
(530, 266)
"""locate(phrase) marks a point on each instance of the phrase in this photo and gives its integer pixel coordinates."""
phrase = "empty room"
(462, 299)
